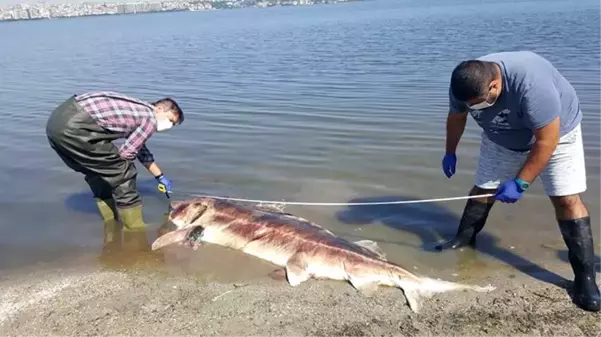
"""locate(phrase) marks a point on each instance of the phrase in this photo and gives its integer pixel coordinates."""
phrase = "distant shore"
(90, 15)
(23, 12)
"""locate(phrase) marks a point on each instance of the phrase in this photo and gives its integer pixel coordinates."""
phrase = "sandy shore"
(138, 302)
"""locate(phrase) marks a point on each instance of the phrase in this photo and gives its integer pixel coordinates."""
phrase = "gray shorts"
(565, 174)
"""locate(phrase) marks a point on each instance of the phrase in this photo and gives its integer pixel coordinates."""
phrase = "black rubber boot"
(473, 220)
(579, 239)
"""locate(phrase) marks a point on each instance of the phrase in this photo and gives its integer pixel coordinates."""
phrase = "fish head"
(187, 216)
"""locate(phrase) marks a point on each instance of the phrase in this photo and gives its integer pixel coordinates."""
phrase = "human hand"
(448, 164)
(164, 184)
(509, 192)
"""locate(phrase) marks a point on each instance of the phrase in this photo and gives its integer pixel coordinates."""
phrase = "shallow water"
(330, 103)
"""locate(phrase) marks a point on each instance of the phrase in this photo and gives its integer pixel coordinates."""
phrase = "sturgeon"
(302, 248)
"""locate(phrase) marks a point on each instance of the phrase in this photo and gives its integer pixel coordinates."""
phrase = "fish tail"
(420, 288)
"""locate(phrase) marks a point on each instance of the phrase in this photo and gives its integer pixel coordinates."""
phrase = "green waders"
(87, 148)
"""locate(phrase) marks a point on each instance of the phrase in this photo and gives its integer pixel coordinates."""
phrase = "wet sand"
(143, 297)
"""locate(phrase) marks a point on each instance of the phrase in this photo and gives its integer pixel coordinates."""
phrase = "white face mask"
(164, 124)
(484, 104)
(481, 105)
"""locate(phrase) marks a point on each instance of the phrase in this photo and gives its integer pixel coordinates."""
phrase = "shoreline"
(146, 301)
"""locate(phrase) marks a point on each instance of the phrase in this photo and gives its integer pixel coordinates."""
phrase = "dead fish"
(303, 248)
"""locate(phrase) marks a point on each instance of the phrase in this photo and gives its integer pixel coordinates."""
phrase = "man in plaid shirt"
(81, 131)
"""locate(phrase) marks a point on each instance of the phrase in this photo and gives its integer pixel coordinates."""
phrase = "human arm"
(455, 126)
(147, 159)
(456, 121)
(153, 168)
(135, 144)
(547, 138)
(541, 107)
(135, 147)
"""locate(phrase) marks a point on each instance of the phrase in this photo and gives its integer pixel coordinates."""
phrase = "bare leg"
(569, 207)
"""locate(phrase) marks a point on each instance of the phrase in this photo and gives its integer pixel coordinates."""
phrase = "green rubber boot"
(107, 209)
(131, 218)
(108, 212)
(136, 247)
(112, 229)
(112, 239)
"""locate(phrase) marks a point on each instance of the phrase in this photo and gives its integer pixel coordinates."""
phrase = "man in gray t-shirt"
(530, 116)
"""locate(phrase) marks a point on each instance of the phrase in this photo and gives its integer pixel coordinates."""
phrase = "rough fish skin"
(304, 249)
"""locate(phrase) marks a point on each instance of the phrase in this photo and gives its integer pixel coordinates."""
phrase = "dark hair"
(470, 79)
(171, 105)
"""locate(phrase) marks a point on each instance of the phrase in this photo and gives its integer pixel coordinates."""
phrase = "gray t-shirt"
(533, 94)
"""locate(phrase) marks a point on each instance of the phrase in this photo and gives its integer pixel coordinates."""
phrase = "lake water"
(328, 103)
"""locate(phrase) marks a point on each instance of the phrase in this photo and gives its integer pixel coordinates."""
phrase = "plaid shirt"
(119, 113)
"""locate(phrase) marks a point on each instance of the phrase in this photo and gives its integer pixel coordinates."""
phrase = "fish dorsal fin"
(275, 208)
(373, 247)
(279, 210)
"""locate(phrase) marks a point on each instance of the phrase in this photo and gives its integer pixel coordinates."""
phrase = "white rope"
(396, 202)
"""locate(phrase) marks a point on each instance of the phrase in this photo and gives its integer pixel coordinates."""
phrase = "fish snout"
(174, 204)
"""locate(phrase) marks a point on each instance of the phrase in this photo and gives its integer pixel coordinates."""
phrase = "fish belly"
(259, 249)
(325, 270)
(276, 255)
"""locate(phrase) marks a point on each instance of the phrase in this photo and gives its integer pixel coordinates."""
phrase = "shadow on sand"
(431, 222)
(563, 256)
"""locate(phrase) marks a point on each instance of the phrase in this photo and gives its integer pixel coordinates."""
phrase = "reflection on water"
(131, 251)
(126, 249)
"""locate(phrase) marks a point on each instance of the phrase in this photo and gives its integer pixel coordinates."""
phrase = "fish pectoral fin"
(278, 274)
(296, 270)
(176, 236)
(413, 299)
(373, 247)
(414, 293)
(366, 286)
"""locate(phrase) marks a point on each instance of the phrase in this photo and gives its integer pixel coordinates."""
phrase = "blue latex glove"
(166, 183)
(509, 192)
(448, 164)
